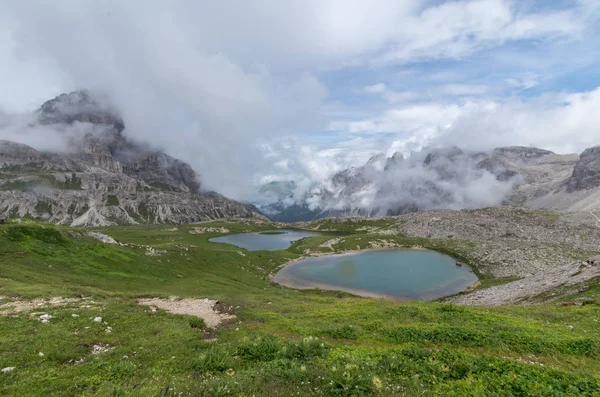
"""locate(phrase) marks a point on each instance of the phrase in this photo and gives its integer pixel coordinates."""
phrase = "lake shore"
(296, 283)
(292, 282)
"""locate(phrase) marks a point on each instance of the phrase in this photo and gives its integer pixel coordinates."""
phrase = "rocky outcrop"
(443, 155)
(102, 178)
(586, 174)
(394, 161)
(521, 152)
(17, 153)
(499, 168)
(80, 106)
(159, 169)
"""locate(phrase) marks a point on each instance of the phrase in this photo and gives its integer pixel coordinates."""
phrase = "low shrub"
(343, 332)
(307, 349)
(197, 323)
(266, 348)
(215, 359)
(44, 234)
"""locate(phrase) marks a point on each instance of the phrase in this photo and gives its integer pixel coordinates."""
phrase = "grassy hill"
(282, 341)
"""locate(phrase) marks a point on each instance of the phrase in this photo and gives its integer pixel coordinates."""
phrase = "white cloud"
(524, 82)
(564, 123)
(375, 88)
(213, 81)
(457, 29)
(463, 89)
(424, 119)
(200, 105)
(427, 93)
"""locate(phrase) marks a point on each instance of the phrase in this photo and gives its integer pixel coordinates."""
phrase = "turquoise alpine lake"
(400, 274)
(269, 240)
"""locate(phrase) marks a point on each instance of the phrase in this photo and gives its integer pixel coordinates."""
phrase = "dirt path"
(597, 219)
(203, 308)
(15, 306)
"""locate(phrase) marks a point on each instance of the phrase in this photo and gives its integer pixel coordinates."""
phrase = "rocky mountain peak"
(80, 106)
(446, 153)
(378, 158)
(101, 177)
(497, 167)
(521, 152)
(586, 174)
(396, 159)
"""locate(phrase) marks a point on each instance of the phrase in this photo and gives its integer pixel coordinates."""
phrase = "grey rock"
(586, 174)
(394, 161)
(443, 155)
(500, 169)
(81, 106)
(521, 152)
(17, 153)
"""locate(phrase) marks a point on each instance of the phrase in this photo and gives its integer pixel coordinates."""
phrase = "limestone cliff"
(101, 177)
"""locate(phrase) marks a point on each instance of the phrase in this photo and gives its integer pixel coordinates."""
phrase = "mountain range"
(446, 178)
(100, 177)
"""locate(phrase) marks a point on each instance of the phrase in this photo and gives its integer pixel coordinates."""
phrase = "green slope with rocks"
(81, 314)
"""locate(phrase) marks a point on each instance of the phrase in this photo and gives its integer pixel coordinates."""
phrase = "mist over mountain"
(83, 170)
(445, 178)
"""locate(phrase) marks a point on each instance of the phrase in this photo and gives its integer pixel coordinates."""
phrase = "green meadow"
(282, 342)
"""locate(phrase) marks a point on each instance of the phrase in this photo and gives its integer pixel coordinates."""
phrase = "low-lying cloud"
(429, 179)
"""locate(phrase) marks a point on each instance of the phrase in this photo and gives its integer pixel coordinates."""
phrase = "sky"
(254, 91)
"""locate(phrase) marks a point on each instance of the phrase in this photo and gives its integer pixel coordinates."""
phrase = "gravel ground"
(545, 249)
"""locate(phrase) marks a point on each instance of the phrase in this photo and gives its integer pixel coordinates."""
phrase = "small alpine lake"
(269, 240)
(398, 273)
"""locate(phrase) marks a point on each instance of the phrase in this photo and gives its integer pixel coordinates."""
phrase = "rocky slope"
(530, 256)
(544, 251)
(101, 177)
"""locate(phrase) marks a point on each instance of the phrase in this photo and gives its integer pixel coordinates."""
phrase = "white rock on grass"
(103, 237)
(41, 354)
(45, 318)
(74, 315)
(97, 319)
(8, 369)
(101, 348)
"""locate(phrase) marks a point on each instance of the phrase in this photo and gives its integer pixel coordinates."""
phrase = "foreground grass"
(283, 342)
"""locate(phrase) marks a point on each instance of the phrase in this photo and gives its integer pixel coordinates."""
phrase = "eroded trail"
(203, 308)
(597, 219)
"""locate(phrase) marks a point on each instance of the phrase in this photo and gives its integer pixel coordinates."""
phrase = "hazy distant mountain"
(450, 178)
(278, 203)
(100, 177)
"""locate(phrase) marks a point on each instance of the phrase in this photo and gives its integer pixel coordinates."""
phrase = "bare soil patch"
(206, 309)
(15, 306)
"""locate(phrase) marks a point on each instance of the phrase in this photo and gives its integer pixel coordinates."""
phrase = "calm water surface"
(407, 274)
(260, 241)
